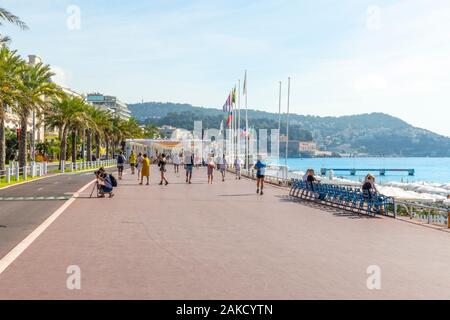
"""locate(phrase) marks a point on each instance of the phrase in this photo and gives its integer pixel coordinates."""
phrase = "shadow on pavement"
(337, 212)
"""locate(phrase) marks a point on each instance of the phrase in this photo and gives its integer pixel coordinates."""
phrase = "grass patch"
(13, 181)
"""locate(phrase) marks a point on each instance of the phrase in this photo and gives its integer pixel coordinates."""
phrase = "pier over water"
(382, 172)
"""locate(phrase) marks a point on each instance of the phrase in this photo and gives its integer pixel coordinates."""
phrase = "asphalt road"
(19, 216)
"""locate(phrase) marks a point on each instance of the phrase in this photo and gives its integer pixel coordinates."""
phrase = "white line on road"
(6, 261)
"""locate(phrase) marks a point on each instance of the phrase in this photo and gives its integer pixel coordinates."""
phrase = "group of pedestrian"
(140, 164)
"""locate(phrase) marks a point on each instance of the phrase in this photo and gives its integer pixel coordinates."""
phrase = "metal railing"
(427, 213)
(281, 178)
(15, 173)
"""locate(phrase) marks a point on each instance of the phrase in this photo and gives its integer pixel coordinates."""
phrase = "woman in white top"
(139, 165)
(176, 163)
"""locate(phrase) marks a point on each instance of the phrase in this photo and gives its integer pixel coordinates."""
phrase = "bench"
(347, 198)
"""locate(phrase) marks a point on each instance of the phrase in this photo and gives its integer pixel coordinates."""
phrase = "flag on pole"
(233, 99)
(227, 105)
(230, 119)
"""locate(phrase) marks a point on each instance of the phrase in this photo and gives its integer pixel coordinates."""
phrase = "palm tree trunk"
(74, 146)
(82, 136)
(89, 145)
(23, 140)
(114, 148)
(63, 148)
(2, 140)
(97, 149)
(107, 148)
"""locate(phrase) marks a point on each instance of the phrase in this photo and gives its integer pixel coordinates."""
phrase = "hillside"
(372, 134)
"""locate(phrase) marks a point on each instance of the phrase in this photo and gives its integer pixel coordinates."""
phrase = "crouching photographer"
(105, 183)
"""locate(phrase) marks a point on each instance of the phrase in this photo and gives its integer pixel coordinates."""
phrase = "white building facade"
(110, 103)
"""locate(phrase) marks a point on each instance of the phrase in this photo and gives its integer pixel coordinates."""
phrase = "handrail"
(432, 214)
(15, 173)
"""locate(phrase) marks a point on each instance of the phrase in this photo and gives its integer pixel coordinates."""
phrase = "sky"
(343, 56)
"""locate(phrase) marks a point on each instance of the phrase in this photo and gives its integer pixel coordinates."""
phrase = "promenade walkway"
(224, 242)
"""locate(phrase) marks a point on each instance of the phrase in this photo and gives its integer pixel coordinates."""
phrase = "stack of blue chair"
(347, 198)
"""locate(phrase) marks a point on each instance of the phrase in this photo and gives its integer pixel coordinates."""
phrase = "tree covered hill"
(371, 134)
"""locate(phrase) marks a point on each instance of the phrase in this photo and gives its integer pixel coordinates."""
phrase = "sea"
(430, 170)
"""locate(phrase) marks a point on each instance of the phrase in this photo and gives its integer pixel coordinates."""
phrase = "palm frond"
(11, 18)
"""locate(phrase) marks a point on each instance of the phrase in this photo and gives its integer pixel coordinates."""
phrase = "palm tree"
(10, 90)
(5, 15)
(78, 124)
(38, 90)
(65, 114)
(100, 120)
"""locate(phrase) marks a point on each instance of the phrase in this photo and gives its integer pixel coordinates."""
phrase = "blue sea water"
(432, 170)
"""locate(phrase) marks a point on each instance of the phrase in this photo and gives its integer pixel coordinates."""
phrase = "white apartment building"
(109, 103)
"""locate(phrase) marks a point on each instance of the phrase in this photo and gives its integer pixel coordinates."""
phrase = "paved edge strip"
(7, 260)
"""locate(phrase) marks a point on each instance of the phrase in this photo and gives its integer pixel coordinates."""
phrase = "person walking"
(223, 167)
(145, 171)
(176, 163)
(120, 164)
(132, 160)
(237, 167)
(189, 166)
(139, 161)
(260, 168)
(211, 167)
(162, 169)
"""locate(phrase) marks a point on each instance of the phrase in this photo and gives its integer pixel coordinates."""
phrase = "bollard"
(8, 175)
(32, 173)
(395, 208)
(17, 172)
(25, 173)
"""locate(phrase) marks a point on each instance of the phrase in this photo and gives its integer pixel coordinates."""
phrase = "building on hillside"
(110, 103)
(167, 131)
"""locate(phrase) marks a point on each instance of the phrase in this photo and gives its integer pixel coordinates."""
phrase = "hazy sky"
(344, 56)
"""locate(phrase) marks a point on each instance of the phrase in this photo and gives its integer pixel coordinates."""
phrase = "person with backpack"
(188, 166)
(120, 164)
(260, 168)
(106, 183)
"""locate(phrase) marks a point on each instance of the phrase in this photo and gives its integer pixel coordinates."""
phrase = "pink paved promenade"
(224, 242)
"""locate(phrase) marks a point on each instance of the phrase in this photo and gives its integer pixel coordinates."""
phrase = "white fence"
(15, 173)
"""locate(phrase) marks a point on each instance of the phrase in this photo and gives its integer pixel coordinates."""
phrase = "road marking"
(6, 261)
(49, 198)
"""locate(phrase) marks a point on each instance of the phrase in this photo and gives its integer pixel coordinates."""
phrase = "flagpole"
(279, 122)
(239, 121)
(235, 128)
(246, 124)
(287, 122)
